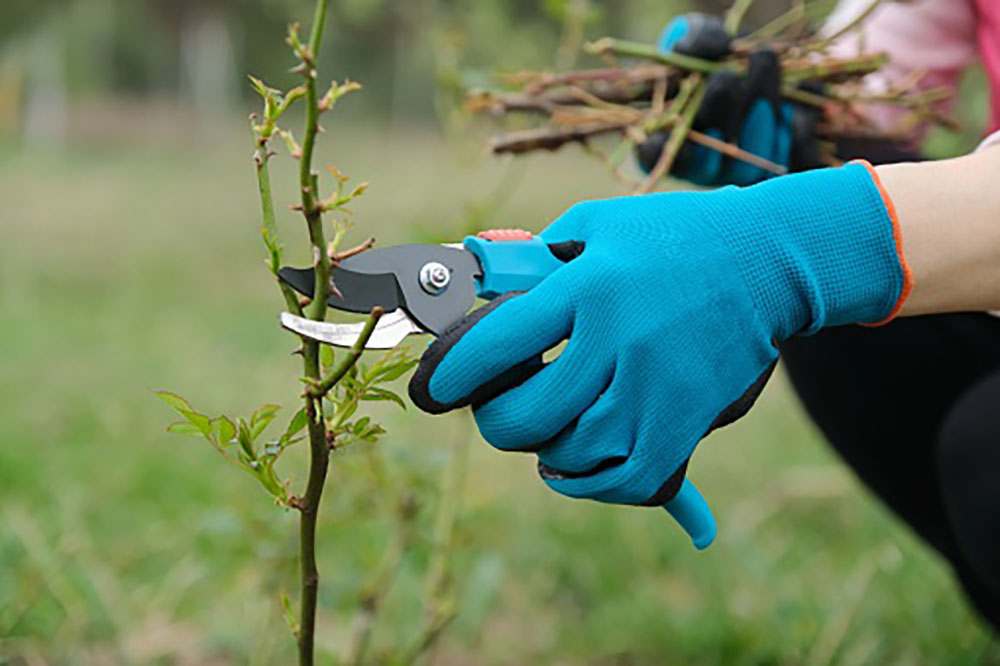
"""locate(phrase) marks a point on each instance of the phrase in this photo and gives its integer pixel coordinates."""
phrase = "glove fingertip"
(419, 388)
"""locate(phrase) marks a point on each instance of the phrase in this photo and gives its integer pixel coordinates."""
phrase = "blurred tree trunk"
(408, 23)
(208, 68)
(45, 112)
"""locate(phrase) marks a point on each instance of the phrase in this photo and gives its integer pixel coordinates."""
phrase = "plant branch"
(318, 389)
(853, 23)
(629, 49)
(269, 227)
(688, 101)
(337, 256)
(734, 151)
(734, 17)
(319, 451)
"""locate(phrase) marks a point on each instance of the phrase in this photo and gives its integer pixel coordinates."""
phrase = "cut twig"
(547, 138)
(688, 101)
(734, 151)
(336, 256)
(633, 100)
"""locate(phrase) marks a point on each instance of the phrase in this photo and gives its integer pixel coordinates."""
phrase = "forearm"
(949, 217)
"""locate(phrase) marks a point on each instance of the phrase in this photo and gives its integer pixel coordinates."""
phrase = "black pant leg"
(882, 396)
(969, 469)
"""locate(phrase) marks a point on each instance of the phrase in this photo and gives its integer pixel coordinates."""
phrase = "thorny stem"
(261, 158)
(319, 451)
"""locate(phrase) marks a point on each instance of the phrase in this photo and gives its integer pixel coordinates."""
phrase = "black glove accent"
(737, 410)
(763, 80)
(671, 486)
(567, 251)
(419, 387)
(728, 97)
(648, 152)
(706, 38)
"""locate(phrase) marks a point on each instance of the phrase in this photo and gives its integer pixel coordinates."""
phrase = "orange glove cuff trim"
(897, 235)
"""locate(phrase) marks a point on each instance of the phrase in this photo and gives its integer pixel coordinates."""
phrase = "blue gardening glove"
(672, 308)
(743, 109)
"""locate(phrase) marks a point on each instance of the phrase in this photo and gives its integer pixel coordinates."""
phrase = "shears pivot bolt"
(434, 277)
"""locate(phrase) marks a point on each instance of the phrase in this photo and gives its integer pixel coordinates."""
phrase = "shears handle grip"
(516, 260)
(511, 260)
(691, 512)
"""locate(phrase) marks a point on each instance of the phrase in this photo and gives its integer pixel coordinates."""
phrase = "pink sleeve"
(936, 35)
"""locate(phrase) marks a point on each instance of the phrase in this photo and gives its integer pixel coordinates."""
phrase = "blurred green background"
(131, 261)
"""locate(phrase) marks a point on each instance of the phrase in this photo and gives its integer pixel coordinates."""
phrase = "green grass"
(130, 269)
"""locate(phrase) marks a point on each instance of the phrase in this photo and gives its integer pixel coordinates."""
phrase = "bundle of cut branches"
(645, 90)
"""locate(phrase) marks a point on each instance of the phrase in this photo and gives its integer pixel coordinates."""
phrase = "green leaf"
(200, 421)
(222, 430)
(267, 477)
(361, 424)
(258, 85)
(174, 401)
(326, 355)
(262, 418)
(383, 394)
(184, 428)
(397, 369)
(290, 615)
(346, 410)
(295, 426)
(244, 438)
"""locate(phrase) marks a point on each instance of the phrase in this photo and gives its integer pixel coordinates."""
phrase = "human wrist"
(947, 213)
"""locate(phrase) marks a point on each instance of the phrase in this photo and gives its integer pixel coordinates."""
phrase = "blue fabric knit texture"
(671, 313)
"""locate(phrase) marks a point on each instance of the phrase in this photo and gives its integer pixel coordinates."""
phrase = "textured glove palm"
(672, 312)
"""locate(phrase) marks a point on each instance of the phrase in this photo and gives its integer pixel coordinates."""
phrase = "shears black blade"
(360, 291)
(391, 279)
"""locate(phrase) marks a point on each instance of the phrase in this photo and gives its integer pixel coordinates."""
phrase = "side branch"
(318, 390)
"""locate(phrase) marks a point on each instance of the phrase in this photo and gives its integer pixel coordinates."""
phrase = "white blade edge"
(390, 330)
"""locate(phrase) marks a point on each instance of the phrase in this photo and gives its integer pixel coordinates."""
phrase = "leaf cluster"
(239, 440)
(362, 383)
(266, 126)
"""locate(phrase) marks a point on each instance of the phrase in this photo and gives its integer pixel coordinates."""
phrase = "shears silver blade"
(390, 330)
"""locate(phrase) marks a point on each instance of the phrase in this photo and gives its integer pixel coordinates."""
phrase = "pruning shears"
(424, 288)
